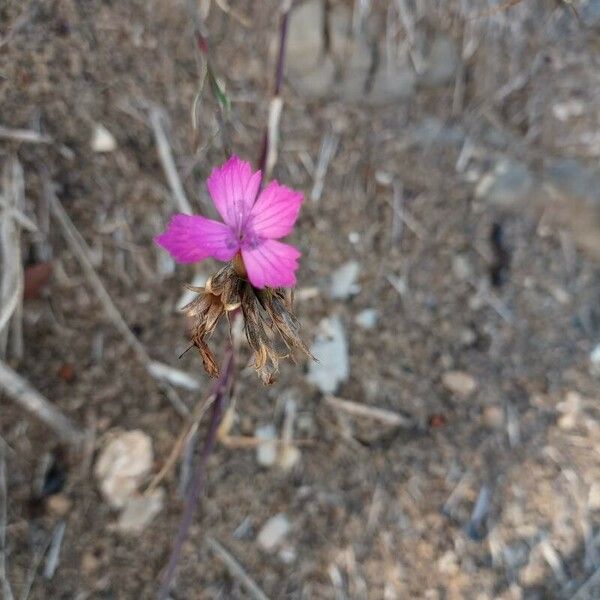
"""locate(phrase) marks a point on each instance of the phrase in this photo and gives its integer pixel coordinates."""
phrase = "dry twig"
(236, 570)
(24, 135)
(6, 589)
(12, 279)
(167, 162)
(370, 412)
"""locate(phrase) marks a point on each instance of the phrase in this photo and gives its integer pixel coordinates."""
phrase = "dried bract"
(271, 328)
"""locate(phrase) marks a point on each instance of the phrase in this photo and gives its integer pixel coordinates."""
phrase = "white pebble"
(273, 532)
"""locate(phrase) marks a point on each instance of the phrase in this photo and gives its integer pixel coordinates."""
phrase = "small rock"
(570, 409)
(510, 183)
(573, 107)
(493, 417)
(392, 84)
(442, 62)
(448, 563)
(462, 268)
(590, 13)
(122, 466)
(331, 351)
(288, 554)
(572, 178)
(595, 360)
(103, 140)
(266, 451)
(433, 131)
(367, 319)
(140, 511)
(90, 563)
(459, 383)
(58, 504)
(288, 457)
(305, 36)
(273, 532)
(343, 281)
(594, 496)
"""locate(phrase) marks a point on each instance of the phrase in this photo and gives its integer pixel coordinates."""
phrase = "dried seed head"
(271, 328)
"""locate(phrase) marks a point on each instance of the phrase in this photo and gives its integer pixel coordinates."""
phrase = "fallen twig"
(20, 391)
(236, 570)
(6, 589)
(167, 162)
(12, 280)
(371, 412)
(327, 152)
(24, 135)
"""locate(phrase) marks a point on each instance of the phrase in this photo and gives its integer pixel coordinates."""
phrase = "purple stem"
(197, 484)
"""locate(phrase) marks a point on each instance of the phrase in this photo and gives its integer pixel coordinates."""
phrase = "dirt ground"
(464, 181)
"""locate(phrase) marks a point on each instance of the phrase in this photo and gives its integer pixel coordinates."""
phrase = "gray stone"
(266, 451)
(140, 510)
(432, 130)
(442, 62)
(392, 84)
(510, 183)
(590, 13)
(331, 351)
(367, 319)
(574, 179)
(305, 37)
(343, 281)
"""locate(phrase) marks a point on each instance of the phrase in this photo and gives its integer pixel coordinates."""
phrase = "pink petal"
(275, 211)
(233, 188)
(271, 263)
(193, 238)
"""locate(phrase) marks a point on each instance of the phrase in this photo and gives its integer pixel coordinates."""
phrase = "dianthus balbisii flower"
(253, 221)
(259, 267)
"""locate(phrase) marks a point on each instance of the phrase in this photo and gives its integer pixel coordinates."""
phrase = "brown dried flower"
(271, 328)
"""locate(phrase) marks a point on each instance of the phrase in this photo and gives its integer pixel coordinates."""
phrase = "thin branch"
(6, 589)
(197, 484)
(236, 570)
(24, 135)
(167, 162)
(12, 278)
(371, 412)
(20, 391)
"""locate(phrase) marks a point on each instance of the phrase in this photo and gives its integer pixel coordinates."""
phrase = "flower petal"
(271, 263)
(233, 188)
(193, 238)
(275, 211)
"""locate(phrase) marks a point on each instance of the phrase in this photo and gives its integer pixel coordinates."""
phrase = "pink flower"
(251, 228)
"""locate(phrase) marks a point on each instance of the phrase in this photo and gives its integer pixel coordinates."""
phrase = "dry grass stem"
(4, 582)
(24, 135)
(370, 412)
(12, 278)
(168, 163)
(236, 570)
